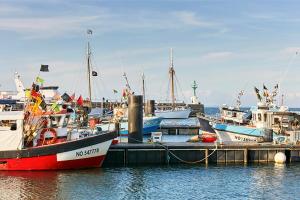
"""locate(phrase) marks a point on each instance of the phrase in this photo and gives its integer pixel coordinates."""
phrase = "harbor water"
(267, 181)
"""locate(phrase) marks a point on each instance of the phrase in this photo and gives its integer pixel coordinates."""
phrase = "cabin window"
(276, 120)
(259, 117)
(265, 117)
(66, 121)
(234, 114)
(55, 121)
(8, 125)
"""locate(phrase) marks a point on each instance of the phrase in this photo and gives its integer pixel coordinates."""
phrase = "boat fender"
(42, 136)
(119, 113)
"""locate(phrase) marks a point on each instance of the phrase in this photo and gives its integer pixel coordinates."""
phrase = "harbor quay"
(126, 154)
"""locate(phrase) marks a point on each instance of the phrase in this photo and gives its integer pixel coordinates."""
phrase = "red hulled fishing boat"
(52, 150)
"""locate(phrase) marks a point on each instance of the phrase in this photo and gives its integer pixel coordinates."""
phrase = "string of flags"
(37, 103)
(269, 97)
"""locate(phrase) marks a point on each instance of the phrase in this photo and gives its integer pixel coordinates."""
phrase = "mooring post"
(117, 128)
(206, 156)
(268, 135)
(245, 155)
(135, 119)
(150, 108)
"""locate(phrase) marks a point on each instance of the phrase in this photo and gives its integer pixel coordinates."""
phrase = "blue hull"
(254, 132)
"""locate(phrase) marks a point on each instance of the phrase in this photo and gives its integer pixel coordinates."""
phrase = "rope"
(178, 158)
(184, 97)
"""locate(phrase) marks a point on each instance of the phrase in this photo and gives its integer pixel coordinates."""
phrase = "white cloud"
(289, 51)
(45, 26)
(217, 56)
(190, 18)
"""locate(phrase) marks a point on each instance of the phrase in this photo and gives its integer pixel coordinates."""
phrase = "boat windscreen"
(248, 115)
(8, 101)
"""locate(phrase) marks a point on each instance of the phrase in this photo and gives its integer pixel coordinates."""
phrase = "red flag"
(80, 101)
(73, 96)
(34, 94)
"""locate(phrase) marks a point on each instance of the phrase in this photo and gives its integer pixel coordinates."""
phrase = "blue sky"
(225, 46)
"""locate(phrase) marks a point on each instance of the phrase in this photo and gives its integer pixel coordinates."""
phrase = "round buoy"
(280, 158)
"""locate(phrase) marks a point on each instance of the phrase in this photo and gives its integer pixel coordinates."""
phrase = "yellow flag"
(28, 94)
(37, 104)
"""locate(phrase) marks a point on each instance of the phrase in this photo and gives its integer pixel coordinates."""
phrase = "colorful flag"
(66, 97)
(37, 104)
(72, 97)
(94, 73)
(55, 107)
(124, 93)
(44, 68)
(43, 105)
(39, 80)
(28, 94)
(34, 94)
(266, 92)
(35, 87)
(80, 101)
(257, 93)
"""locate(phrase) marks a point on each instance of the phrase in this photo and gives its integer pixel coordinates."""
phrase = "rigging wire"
(184, 98)
(287, 69)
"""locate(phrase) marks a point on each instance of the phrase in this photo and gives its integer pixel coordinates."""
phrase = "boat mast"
(172, 73)
(89, 32)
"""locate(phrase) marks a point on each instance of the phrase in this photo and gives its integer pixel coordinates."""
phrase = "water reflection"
(266, 180)
(135, 188)
(170, 182)
(29, 185)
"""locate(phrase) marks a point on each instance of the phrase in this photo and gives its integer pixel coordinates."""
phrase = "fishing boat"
(268, 122)
(173, 111)
(47, 144)
(234, 114)
(150, 124)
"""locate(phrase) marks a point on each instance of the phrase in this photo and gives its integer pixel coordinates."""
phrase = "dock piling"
(150, 107)
(135, 119)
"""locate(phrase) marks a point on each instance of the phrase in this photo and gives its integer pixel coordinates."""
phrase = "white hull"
(225, 136)
(173, 114)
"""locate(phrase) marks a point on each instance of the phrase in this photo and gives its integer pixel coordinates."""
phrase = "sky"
(225, 46)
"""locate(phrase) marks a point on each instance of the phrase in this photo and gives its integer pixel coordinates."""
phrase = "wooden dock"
(124, 154)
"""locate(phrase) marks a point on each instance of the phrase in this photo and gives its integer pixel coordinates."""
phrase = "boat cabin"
(280, 120)
(233, 115)
(11, 130)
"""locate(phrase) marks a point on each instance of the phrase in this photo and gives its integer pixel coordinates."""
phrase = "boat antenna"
(171, 74)
(89, 33)
(127, 82)
(238, 101)
(282, 97)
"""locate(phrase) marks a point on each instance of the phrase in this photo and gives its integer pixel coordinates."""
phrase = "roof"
(11, 115)
(180, 123)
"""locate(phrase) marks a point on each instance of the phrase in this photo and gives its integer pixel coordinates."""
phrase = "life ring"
(42, 136)
(119, 113)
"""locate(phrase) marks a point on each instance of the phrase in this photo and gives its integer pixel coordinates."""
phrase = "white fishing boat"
(268, 122)
(176, 113)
